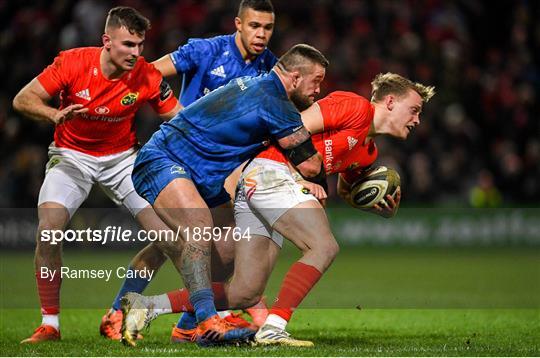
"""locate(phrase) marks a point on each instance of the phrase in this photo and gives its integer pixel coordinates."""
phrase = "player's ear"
(295, 77)
(238, 23)
(389, 101)
(106, 39)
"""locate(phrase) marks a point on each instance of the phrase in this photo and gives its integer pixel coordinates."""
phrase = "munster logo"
(129, 99)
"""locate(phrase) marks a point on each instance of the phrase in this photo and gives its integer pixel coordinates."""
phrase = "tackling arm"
(165, 66)
(167, 69)
(300, 151)
(169, 115)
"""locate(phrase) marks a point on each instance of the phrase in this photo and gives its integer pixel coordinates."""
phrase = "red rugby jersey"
(107, 127)
(347, 119)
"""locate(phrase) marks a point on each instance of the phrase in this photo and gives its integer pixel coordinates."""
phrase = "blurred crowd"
(479, 139)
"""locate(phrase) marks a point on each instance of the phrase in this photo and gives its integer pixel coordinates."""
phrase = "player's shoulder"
(77, 59)
(345, 99)
(146, 72)
(210, 44)
(145, 66)
(269, 58)
(338, 96)
(80, 53)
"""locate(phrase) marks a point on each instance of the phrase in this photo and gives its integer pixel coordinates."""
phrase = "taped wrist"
(301, 152)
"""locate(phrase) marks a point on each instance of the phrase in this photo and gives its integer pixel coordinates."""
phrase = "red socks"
(49, 294)
(296, 285)
(180, 298)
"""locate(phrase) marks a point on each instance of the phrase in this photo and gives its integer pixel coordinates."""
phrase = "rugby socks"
(51, 320)
(180, 300)
(297, 283)
(162, 305)
(49, 297)
(188, 320)
(203, 304)
(134, 284)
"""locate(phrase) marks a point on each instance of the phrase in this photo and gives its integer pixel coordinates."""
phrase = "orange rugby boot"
(43, 333)
(111, 325)
(217, 331)
(237, 320)
(180, 335)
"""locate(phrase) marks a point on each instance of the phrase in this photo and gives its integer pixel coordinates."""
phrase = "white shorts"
(266, 190)
(70, 175)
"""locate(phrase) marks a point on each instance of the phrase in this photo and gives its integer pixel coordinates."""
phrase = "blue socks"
(188, 320)
(137, 285)
(203, 303)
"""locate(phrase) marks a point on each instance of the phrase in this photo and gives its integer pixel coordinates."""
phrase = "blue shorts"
(154, 170)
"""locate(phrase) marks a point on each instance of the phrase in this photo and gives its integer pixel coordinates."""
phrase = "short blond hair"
(392, 83)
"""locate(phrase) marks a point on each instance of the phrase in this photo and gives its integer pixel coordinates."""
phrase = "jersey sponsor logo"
(352, 142)
(103, 118)
(219, 71)
(102, 110)
(176, 169)
(129, 99)
(164, 90)
(84, 94)
(328, 155)
(241, 84)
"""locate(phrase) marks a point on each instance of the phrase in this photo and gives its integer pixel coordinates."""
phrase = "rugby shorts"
(70, 175)
(266, 190)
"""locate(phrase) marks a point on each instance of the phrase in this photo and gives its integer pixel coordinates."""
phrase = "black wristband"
(301, 152)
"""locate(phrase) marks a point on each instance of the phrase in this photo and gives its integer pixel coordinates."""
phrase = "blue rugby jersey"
(207, 64)
(217, 133)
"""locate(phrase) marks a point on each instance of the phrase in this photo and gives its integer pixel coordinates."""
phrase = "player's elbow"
(18, 102)
(311, 167)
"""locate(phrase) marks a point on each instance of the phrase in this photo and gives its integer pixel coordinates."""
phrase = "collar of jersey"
(235, 49)
(272, 74)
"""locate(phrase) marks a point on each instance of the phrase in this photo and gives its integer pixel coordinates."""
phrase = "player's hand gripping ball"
(372, 187)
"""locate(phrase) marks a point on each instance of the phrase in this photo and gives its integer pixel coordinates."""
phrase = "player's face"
(307, 87)
(405, 114)
(123, 47)
(255, 29)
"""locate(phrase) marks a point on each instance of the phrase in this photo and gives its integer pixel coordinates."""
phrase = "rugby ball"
(373, 186)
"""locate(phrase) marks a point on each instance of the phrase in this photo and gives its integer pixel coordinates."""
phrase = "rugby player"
(181, 170)
(268, 191)
(206, 64)
(94, 139)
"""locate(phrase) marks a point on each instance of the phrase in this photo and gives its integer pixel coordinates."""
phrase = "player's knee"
(245, 296)
(328, 247)
(169, 247)
(246, 299)
(332, 249)
(325, 252)
(50, 232)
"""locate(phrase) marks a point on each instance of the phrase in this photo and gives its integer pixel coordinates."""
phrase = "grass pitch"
(373, 302)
